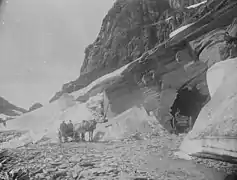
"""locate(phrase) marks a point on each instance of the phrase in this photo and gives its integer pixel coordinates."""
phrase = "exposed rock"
(35, 106)
(128, 30)
(9, 109)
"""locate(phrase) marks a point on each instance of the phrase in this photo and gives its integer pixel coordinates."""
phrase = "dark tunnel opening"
(189, 102)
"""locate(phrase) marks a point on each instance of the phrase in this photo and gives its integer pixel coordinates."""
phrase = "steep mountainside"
(8, 109)
(130, 28)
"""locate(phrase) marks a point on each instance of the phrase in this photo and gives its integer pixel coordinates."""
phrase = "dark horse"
(65, 131)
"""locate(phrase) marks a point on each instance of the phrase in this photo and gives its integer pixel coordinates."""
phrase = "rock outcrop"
(35, 106)
(128, 30)
(9, 110)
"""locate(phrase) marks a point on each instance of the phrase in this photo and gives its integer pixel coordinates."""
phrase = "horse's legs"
(65, 138)
(74, 136)
(89, 135)
(83, 136)
(80, 136)
(92, 135)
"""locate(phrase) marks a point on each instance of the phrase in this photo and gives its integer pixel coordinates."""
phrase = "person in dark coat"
(63, 127)
(70, 128)
(63, 130)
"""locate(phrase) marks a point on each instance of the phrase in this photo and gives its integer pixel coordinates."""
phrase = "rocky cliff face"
(8, 109)
(130, 28)
(179, 62)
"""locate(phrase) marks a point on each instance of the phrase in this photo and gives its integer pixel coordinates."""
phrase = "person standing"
(63, 131)
(70, 128)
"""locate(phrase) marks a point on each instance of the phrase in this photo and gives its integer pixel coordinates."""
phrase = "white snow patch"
(104, 81)
(18, 112)
(196, 5)
(172, 34)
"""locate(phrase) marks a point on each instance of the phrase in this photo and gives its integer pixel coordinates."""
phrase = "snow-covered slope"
(102, 82)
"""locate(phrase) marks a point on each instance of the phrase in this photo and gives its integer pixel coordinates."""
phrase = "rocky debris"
(8, 135)
(128, 159)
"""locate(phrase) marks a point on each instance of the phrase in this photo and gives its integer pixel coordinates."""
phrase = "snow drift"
(125, 125)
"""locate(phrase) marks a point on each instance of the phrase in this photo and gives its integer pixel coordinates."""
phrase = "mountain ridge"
(9, 109)
(129, 29)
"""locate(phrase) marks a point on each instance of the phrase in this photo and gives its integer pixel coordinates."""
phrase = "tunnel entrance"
(189, 102)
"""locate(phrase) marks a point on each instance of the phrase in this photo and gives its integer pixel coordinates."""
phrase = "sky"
(42, 45)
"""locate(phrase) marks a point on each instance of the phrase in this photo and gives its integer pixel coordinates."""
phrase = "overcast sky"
(42, 45)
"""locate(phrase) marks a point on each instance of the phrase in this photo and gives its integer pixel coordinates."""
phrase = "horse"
(83, 127)
(64, 132)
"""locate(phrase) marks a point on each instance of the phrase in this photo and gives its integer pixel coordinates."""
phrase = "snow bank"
(215, 129)
(172, 34)
(125, 125)
(101, 83)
